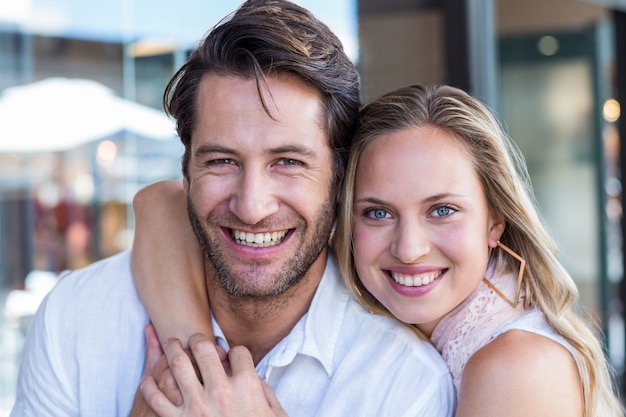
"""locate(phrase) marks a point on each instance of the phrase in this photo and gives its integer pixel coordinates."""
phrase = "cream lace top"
(481, 318)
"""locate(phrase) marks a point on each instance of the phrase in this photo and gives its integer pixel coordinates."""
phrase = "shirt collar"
(322, 324)
(317, 332)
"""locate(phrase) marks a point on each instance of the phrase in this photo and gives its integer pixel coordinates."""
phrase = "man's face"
(259, 189)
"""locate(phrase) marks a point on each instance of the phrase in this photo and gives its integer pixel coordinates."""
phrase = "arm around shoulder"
(168, 264)
(521, 374)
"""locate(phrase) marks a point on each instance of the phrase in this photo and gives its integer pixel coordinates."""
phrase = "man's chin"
(254, 283)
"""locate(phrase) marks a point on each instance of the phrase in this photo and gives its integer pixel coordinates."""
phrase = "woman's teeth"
(415, 280)
(258, 240)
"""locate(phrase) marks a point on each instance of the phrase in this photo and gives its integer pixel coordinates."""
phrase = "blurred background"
(82, 128)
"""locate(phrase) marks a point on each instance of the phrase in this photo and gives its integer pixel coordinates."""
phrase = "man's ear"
(186, 184)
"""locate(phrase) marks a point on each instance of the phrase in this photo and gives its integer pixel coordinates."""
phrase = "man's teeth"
(415, 280)
(258, 240)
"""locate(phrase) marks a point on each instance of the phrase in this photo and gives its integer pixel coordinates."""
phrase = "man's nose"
(254, 199)
(410, 242)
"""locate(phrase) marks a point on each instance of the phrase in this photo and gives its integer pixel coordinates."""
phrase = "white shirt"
(85, 351)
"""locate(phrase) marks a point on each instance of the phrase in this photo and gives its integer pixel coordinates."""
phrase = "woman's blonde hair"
(501, 169)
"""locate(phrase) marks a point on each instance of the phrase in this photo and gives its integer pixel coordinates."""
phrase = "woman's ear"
(496, 229)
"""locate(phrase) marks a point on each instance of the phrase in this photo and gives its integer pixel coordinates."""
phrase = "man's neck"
(261, 324)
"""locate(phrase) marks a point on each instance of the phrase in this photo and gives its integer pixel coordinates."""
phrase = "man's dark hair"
(272, 37)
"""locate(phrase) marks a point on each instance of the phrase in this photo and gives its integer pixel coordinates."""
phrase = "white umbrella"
(57, 114)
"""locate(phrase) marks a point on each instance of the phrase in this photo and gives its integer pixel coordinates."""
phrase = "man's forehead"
(232, 123)
(285, 105)
(265, 88)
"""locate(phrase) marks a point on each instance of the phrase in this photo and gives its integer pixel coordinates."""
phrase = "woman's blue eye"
(377, 213)
(443, 211)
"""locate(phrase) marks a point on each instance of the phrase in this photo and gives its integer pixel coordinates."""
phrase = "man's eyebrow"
(205, 149)
(301, 150)
(294, 149)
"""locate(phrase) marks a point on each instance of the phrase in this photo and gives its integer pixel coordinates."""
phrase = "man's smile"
(258, 240)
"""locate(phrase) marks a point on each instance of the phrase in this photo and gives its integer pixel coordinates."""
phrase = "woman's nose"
(410, 242)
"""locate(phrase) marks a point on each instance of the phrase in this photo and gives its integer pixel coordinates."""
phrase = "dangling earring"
(519, 277)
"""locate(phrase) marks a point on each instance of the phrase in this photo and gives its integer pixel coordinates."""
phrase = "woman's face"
(421, 226)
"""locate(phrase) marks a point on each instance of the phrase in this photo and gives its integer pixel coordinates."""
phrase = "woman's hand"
(157, 368)
(228, 384)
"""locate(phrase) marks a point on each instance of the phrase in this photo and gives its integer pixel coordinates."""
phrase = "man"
(265, 108)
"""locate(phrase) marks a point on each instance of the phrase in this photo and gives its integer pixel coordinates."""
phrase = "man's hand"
(230, 386)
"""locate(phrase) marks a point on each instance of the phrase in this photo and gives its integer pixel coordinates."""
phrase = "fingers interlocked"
(215, 385)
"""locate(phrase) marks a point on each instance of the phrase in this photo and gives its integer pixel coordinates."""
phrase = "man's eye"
(220, 161)
(289, 161)
(377, 213)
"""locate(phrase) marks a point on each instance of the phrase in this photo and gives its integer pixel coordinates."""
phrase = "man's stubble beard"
(290, 274)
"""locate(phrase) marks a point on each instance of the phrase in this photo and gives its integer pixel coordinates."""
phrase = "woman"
(438, 228)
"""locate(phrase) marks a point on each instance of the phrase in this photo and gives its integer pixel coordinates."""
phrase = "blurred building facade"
(552, 71)
(63, 206)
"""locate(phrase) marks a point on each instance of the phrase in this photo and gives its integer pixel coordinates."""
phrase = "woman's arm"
(168, 264)
(521, 374)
